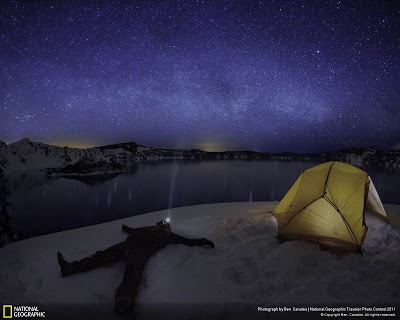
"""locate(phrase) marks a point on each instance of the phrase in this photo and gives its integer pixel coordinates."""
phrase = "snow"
(141, 149)
(26, 154)
(248, 267)
(396, 147)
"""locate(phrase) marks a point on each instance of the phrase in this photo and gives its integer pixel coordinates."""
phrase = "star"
(201, 73)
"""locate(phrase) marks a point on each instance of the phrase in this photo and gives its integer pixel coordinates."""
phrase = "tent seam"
(324, 191)
(344, 219)
(298, 214)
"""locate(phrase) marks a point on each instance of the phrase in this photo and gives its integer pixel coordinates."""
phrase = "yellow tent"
(326, 204)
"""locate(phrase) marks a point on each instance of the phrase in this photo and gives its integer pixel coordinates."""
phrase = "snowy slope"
(247, 266)
(26, 154)
(396, 147)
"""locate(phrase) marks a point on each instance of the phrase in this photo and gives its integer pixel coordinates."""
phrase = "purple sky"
(299, 76)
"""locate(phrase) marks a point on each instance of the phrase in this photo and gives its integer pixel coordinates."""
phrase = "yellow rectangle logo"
(5, 307)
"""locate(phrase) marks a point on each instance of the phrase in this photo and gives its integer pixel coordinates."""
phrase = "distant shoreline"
(25, 154)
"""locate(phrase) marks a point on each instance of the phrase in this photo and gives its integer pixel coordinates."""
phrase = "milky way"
(297, 76)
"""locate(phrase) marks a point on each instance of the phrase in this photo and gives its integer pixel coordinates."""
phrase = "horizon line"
(158, 147)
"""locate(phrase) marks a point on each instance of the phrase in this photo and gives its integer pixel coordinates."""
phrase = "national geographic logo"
(7, 311)
(10, 312)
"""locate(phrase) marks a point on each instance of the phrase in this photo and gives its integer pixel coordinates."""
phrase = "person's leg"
(111, 254)
(126, 292)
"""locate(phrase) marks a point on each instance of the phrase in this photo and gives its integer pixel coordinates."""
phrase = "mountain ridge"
(26, 154)
(396, 147)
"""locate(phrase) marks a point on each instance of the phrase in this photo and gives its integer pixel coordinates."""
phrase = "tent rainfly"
(326, 204)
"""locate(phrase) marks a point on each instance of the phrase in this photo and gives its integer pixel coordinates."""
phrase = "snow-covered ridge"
(25, 154)
(396, 147)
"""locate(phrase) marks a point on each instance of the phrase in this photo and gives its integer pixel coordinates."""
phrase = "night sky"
(299, 76)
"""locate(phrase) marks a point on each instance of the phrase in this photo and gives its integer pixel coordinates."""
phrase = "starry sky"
(300, 76)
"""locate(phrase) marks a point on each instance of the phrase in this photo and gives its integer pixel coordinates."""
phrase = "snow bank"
(396, 147)
(248, 267)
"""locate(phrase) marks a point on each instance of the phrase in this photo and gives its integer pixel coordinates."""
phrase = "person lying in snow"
(137, 249)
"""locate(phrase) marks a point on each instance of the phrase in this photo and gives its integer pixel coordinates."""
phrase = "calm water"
(41, 205)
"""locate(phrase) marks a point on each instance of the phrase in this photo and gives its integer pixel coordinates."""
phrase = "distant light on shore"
(212, 147)
(78, 145)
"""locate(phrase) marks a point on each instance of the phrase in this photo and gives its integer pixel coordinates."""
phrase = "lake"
(41, 205)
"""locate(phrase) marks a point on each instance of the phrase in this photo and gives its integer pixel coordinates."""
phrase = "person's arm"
(177, 239)
(133, 230)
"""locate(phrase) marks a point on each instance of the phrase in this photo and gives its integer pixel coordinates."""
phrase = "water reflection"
(42, 205)
(172, 185)
(91, 180)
